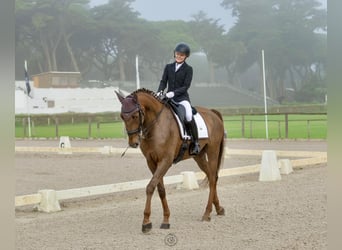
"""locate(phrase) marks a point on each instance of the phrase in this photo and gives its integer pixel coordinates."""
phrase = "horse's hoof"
(165, 226)
(221, 211)
(147, 227)
(206, 218)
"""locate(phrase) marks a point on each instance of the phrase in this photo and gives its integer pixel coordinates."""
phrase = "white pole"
(28, 107)
(265, 95)
(137, 71)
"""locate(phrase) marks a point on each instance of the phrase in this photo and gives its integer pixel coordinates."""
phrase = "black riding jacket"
(177, 81)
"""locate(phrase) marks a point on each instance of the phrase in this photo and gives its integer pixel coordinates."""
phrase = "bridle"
(127, 111)
(140, 127)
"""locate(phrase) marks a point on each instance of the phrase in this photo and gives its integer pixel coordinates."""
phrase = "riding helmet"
(183, 48)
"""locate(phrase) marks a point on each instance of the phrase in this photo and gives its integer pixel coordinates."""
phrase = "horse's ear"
(121, 98)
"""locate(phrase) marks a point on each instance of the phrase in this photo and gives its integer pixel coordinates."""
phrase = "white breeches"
(188, 110)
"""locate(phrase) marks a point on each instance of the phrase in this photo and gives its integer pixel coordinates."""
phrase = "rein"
(146, 129)
(139, 129)
(143, 131)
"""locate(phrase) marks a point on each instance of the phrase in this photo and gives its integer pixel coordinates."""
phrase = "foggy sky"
(158, 10)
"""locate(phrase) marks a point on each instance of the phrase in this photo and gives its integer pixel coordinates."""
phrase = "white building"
(63, 100)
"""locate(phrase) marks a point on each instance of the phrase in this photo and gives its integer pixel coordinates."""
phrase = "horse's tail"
(220, 159)
(222, 145)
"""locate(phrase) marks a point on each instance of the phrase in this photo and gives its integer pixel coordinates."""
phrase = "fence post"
(89, 127)
(308, 128)
(33, 128)
(98, 129)
(279, 130)
(286, 126)
(24, 126)
(56, 127)
(251, 128)
(243, 126)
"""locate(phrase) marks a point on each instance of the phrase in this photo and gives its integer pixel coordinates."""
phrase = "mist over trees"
(102, 43)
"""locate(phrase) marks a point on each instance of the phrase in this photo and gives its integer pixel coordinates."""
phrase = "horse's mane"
(147, 91)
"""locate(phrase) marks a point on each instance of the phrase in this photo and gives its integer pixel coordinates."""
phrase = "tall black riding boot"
(192, 128)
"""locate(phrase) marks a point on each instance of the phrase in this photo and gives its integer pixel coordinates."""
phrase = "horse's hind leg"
(212, 192)
(213, 197)
(216, 202)
(218, 208)
(166, 211)
(209, 167)
(204, 166)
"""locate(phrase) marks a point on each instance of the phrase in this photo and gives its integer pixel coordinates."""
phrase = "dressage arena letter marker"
(189, 180)
(64, 145)
(49, 201)
(269, 170)
(285, 166)
(106, 150)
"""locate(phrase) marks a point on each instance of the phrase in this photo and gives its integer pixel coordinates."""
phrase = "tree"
(208, 34)
(286, 30)
(120, 38)
(45, 25)
(166, 35)
(73, 19)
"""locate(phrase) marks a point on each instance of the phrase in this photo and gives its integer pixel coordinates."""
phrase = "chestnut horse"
(151, 124)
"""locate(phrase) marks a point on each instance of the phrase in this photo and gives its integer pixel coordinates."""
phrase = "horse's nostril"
(134, 145)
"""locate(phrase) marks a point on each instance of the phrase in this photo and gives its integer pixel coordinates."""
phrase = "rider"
(178, 77)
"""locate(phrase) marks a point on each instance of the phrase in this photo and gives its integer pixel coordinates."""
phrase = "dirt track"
(287, 214)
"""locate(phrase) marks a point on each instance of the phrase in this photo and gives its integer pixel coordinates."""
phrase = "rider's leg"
(191, 128)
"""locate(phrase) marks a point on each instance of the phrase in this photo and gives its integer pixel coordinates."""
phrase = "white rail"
(52, 196)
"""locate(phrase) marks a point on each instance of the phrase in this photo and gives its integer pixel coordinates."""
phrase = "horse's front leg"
(147, 224)
(158, 174)
(166, 211)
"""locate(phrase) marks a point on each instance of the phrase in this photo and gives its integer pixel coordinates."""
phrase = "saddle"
(179, 111)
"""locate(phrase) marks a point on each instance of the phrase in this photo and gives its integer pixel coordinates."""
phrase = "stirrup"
(195, 149)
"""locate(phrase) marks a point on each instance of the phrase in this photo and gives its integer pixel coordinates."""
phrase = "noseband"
(129, 106)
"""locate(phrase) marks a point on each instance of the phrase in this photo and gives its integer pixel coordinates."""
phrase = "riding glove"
(170, 94)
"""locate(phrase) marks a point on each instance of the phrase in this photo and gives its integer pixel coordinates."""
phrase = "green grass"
(298, 126)
(254, 128)
(77, 130)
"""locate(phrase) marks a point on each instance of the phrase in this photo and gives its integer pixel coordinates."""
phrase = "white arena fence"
(48, 200)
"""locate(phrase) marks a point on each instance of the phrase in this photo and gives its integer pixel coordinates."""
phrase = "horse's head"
(132, 115)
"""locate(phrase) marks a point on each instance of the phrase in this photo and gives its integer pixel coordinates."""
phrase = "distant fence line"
(246, 127)
(279, 123)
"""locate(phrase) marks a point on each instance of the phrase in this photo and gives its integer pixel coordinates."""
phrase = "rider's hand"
(170, 94)
(160, 93)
